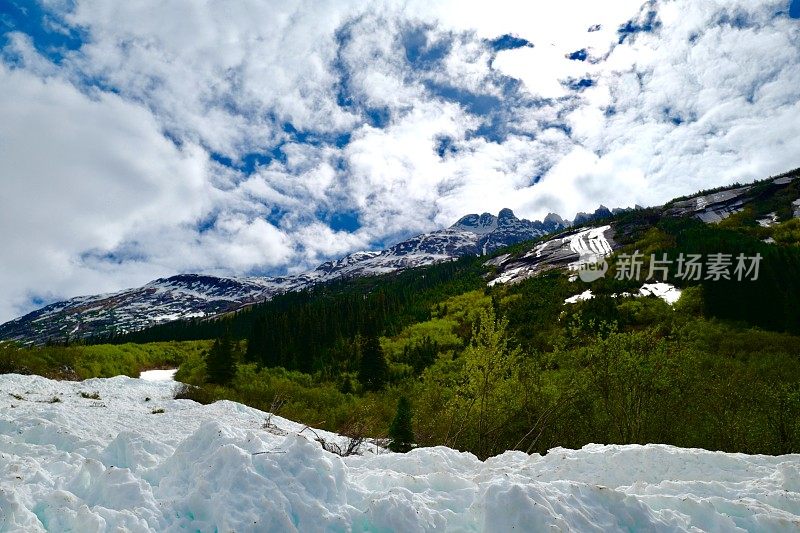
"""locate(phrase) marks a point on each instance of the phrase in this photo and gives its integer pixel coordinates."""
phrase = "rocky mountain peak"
(196, 295)
(506, 216)
(479, 224)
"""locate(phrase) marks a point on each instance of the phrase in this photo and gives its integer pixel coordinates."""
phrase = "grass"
(98, 361)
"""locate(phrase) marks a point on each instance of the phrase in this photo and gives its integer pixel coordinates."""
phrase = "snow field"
(110, 464)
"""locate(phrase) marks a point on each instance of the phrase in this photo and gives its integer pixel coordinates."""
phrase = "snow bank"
(116, 462)
(589, 243)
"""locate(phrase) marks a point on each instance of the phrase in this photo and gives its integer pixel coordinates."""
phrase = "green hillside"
(512, 366)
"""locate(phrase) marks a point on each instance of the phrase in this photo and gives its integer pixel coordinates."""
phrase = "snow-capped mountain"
(193, 295)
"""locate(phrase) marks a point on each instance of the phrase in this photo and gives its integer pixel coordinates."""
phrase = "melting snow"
(116, 463)
(585, 295)
(666, 291)
(159, 375)
(770, 220)
(589, 244)
(507, 276)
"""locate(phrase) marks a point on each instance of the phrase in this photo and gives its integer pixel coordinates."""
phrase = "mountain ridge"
(201, 296)
(190, 295)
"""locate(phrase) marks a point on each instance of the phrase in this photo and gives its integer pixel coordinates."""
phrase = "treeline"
(321, 329)
(658, 374)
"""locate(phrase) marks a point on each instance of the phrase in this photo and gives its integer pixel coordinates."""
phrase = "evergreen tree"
(401, 432)
(220, 363)
(421, 355)
(347, 386)
(373, 371)
(257, 344)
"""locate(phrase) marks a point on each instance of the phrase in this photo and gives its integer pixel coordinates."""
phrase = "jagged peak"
(506, 216)
(480, 224)
(554, 218)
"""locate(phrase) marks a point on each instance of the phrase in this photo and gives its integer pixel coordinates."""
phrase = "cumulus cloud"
(79, 173)
(708, 99)
(232, 138)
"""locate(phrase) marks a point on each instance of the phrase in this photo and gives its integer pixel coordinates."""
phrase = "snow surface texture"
(666, 291)
(585, 295)
(589, 245)
(117, 463)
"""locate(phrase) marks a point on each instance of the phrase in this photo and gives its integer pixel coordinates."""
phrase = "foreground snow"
(84, 464)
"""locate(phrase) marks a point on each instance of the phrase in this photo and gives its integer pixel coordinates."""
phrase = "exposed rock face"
(552, 222)
(506, 228)
(717, 206)
(480, 224)
(599, 214)
(711, 208)
(568, 250)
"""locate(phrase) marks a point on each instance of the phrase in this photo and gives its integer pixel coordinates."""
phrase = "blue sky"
(139, 140)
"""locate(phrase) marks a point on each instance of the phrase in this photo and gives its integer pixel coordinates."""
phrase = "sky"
(254, 137)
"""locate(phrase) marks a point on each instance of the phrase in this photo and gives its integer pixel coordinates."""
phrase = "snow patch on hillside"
(585, 295)
(117, 462)
(666, 291)
(589, 244)
(159, 375)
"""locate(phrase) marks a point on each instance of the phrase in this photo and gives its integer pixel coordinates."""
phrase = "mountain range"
(195, 295)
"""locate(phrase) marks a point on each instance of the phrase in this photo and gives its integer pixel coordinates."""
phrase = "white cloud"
(79, 173)
(96, 196)
(733, 90)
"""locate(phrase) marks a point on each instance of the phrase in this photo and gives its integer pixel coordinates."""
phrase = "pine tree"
(257, 343)
(220, 363)
(373, 371)
(401, 432)
(347, 386)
